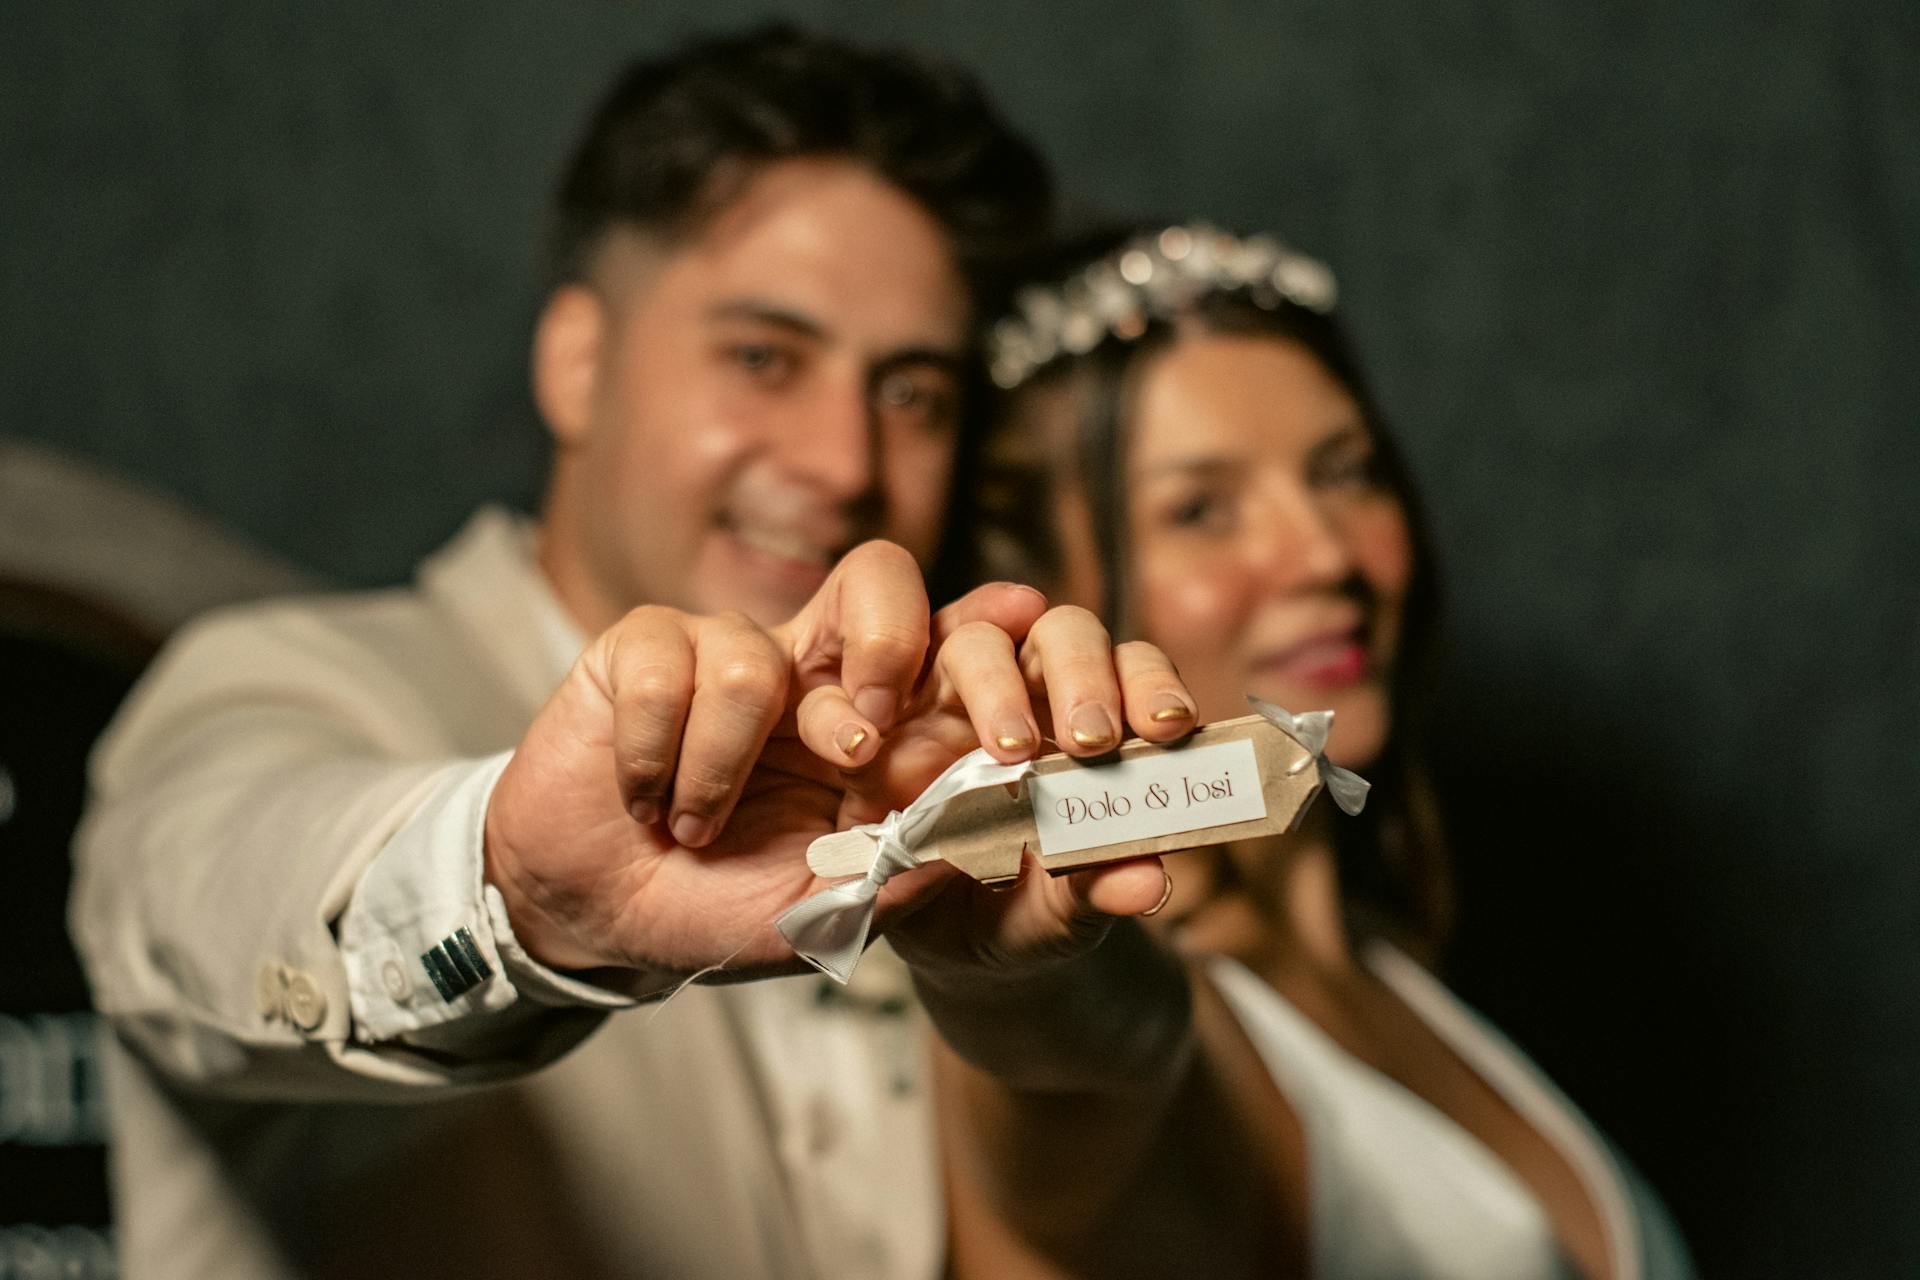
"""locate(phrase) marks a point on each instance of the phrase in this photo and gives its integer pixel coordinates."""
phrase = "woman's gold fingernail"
(1013, 742)
(849, 738)
(1091, 727)
(1172, 711)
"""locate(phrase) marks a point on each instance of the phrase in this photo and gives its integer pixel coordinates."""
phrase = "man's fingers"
(833, 729)
(739, 692)
(650, 668)
(876, 620)
(1068, 653)
(977, 666)
(1159, 707)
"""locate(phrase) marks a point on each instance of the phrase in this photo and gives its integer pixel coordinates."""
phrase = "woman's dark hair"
(1393, 865)
(677, 136)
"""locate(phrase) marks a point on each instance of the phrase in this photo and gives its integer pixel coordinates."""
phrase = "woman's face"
(1269, 556)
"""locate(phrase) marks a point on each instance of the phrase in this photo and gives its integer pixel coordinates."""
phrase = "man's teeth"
(785, 546)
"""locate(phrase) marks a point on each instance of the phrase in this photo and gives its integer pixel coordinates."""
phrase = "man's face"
(755, 400)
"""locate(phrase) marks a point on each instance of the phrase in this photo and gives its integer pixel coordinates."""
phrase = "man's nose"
(834, 444)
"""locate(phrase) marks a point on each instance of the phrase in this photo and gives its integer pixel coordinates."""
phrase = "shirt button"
(306, 1003)
(395, 978)
(270, 992)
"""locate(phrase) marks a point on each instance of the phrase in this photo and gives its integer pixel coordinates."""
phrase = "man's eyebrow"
(760, 311)
(946, 361)
(800, 324)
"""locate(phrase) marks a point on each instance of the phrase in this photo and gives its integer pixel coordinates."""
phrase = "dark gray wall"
(1639, 286)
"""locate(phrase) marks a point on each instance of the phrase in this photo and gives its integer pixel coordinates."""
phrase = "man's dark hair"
(677, 136)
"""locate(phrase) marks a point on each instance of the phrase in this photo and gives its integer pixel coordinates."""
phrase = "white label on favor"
(1157, 794)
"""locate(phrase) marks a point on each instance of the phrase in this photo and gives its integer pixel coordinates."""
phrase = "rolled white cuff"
(426, 942)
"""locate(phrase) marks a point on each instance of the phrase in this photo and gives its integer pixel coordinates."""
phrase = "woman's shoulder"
(1634, 1204)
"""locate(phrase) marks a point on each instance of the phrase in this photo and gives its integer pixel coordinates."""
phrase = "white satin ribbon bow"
(1310, 730)
(829, 929)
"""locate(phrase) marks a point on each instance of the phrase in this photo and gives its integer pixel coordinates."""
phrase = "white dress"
(1398, 1190)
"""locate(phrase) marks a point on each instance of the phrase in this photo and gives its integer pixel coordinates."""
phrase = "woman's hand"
(990, 686)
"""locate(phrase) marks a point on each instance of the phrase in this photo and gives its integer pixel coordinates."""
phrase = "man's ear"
(568, 348)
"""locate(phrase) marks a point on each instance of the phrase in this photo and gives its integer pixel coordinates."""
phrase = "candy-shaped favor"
(1232, 780)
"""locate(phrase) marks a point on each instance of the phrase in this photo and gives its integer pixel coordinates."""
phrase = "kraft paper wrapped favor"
(1231, 780)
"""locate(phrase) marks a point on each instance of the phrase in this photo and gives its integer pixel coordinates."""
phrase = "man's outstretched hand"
(656, 814)
(645, 822)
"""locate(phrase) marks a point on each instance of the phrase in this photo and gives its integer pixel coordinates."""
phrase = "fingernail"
(1170, 708)
(1014, 736)
(1091, 726)
(645, 811)
(692, 831)
(876, 703)
(848, 738)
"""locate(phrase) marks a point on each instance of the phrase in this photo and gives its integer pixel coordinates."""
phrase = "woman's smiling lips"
(1328, 660)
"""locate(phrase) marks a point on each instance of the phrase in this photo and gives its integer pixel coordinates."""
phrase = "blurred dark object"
(64, 666)
(93, 575)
